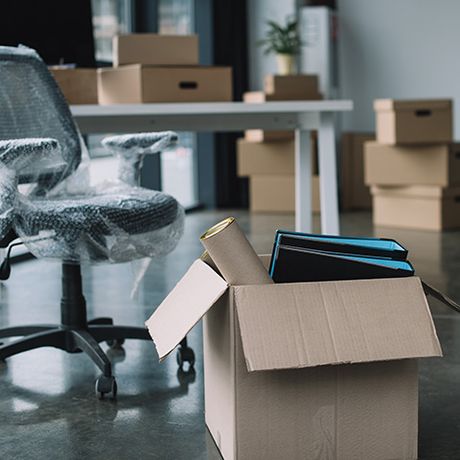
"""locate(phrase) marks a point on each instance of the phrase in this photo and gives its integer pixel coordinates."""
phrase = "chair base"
(75, 334)
(83, 340)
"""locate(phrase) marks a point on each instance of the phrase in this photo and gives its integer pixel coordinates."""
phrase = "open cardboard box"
(305, 370)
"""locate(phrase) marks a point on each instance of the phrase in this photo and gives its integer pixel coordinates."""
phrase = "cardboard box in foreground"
(305, 370)
(137, 83)
(155, 49)
(413, 122)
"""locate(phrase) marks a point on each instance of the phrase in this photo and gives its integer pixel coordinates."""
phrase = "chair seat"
(96, 218)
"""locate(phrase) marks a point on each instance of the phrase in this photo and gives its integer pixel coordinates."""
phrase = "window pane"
(175, 17)
(110, 17)
(178, 172)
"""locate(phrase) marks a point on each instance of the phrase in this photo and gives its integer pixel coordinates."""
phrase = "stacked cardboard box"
(161, 68)
(414, 167)
(355, 194)
(267, 157)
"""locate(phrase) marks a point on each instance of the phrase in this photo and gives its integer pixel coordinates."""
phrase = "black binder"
(300, 257)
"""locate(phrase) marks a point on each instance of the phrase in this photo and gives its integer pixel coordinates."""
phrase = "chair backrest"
(32, 105)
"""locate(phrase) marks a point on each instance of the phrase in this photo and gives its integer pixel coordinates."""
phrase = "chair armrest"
(131, 149)
(17, 154)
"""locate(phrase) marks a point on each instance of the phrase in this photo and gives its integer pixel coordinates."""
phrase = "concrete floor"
(47, 403)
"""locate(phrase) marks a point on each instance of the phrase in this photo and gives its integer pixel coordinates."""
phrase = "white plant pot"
(286, 64)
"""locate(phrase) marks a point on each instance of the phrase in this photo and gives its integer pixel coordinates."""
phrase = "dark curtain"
(230, 49)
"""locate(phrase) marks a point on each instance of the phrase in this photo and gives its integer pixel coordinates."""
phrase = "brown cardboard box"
(79, 86)
(355, 195)
(154, 49)
(257, 97)
(265, 158)
(262, 158)
(276, 193)
(285, 380)
(412, 122)
(292, 86)
(417, 206)
(136, 84)
(431, 164)
(259, 135)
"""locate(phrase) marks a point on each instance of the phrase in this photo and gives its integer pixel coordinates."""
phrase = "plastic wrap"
(57, 214)
(131, 149)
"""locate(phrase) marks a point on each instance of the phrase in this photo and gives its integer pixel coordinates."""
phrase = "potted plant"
(284, 41)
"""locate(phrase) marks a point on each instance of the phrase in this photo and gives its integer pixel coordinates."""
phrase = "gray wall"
(259, 11)
(400, 49)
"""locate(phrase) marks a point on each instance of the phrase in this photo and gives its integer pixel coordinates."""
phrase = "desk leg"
(328, 176)
(303, 220)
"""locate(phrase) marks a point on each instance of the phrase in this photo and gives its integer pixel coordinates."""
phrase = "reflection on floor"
(47, 403)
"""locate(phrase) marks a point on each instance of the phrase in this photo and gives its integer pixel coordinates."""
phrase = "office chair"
(59, 215)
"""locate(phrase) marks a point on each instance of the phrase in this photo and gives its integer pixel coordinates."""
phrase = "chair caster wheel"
(185, 355)
(115, 343)
(106, 385)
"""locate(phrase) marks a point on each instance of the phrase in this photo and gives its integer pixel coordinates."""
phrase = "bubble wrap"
(58, 215)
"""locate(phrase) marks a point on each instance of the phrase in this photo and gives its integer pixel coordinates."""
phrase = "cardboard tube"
(233, 255)
(206, 258)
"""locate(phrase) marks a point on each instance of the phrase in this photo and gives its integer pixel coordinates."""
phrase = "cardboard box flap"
(416, 104)
(311, 324)
(417, 191)
(184, 306)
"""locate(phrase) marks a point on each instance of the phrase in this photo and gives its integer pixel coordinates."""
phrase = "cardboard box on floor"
(413, 122)
(262, 158)
(354, 193)
(431, 164)
(276, 193)
(305, 370)
(420, 207)
(155, 49)
(137, 83)
(79, 86)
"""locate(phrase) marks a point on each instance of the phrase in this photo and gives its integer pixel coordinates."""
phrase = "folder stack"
(413, 168)
(267, 157)
(302, 257)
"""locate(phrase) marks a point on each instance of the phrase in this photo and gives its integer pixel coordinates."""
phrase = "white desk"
(301, 116)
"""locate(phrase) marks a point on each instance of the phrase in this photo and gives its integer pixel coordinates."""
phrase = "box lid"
(415, 104)
(311, 324)
(416, 191)
(185, 305)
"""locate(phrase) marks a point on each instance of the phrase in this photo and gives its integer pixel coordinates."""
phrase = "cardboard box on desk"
(155, 49)
(276, 193)
(431, 164)
(137, 83)
(79, 86)
(296, 87)
(355, 194)
(302, 370)
(413, 122)
(417, 206)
